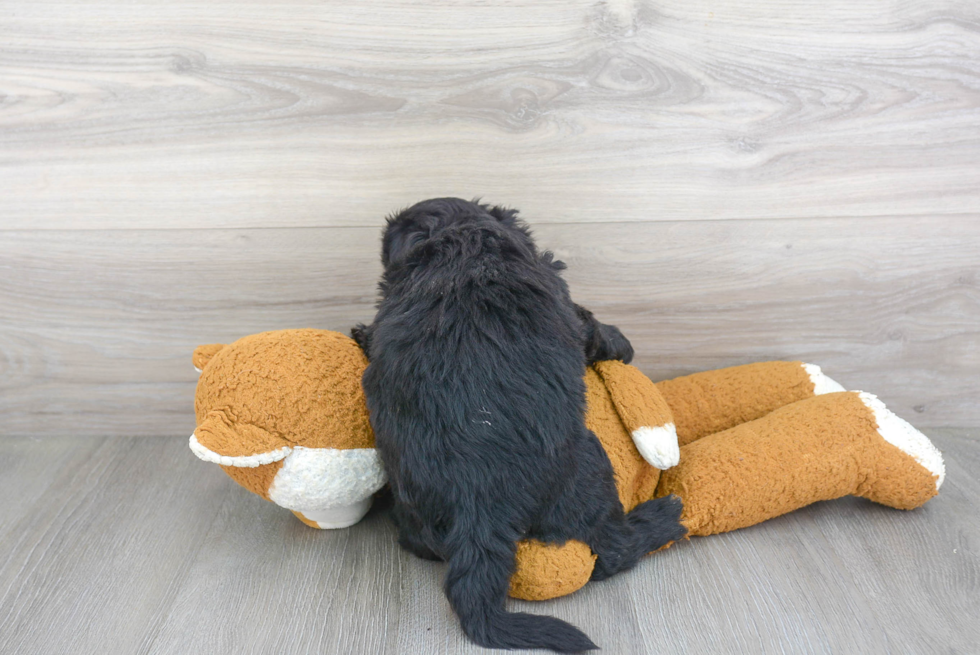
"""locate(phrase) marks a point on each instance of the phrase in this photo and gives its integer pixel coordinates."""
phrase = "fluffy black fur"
(476, 395)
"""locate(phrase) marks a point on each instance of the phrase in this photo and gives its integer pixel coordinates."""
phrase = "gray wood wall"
(729, 182)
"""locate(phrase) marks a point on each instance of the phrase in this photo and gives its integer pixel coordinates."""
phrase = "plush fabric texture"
(644, 412)
(284, 415)
(705, 403)
(222, 433)
(638, 401)
(203, 354)
(549, 570)
(313, 479)
(286, 388)
(816, 449)
(256, 479)
(658, 446)
(635, 479)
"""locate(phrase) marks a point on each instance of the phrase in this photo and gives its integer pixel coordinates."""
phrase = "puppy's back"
(475, 392)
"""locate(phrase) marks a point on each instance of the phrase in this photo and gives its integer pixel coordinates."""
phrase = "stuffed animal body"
(283, 413)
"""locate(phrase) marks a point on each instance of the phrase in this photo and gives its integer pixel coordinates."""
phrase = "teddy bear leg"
(712, 401)
(903, 452)
(820, 448)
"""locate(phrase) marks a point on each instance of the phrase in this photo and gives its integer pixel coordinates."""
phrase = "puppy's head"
(412, 233)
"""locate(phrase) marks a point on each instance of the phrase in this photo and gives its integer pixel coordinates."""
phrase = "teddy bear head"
(284, 415)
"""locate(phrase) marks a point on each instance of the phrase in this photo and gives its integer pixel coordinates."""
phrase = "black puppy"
(476, 395)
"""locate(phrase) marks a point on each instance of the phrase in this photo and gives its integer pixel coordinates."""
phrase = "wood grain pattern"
(189, 115)
(135, 546)
(102, 540)
(729, 182)
(98, 326)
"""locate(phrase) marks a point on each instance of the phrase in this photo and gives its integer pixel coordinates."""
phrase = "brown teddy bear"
(283, 413)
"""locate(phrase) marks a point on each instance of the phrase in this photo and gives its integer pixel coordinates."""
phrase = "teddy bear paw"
(821, 383)
(899, 433)
(331, 518)
(658, 445)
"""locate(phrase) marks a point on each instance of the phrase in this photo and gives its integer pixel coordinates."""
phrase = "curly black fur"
(476, 395)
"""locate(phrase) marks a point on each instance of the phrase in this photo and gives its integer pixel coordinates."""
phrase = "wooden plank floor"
(116, 545)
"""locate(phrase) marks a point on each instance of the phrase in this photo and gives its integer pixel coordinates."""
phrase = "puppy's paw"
(615, 345)
(659, 520)
(360, 333)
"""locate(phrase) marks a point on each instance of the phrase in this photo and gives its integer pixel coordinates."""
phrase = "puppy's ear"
(506, 216)
(401, 236)
(509, 219)
(548, 258)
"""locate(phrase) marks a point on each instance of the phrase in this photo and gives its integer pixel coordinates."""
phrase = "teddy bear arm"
(643, 411)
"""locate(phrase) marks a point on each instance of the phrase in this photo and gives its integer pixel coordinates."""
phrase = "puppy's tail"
(476, 586)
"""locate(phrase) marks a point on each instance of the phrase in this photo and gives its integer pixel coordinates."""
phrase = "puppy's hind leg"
(480, 566)
(650, 526)
(590, 510)
(410, 534)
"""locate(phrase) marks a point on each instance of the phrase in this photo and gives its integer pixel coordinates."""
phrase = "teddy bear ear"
(220, 440)
(203, 354)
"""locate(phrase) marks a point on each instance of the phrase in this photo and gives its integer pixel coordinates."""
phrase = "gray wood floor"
(116, 545)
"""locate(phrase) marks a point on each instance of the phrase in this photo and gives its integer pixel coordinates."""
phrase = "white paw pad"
(821, 383)
(341, 516)
(658, 445)
(906, 438)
